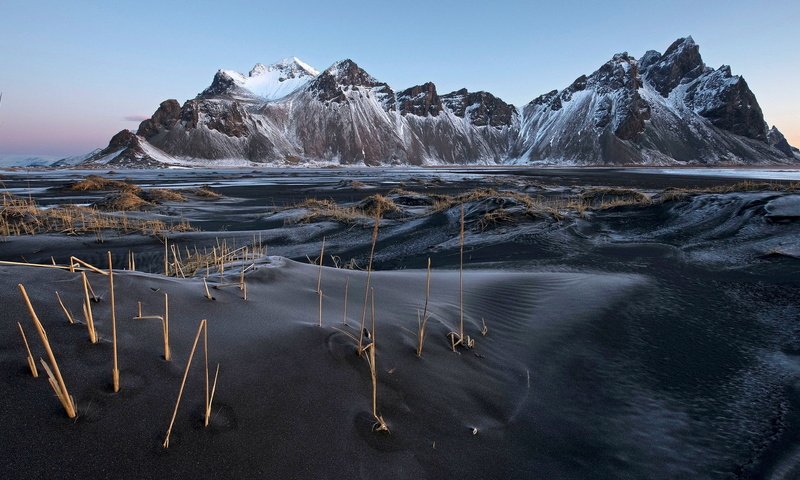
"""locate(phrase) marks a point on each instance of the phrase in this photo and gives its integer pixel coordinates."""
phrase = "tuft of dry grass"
(206, 192)
(605, 198)
(328, 209)
(158, 195)
(96, 183)
(494, 218)
(22, 216)
(378, 204)
(123, 202)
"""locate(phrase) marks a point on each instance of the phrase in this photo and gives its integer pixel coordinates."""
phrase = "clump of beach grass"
(206, 192)
(97, 182)
(22, 216)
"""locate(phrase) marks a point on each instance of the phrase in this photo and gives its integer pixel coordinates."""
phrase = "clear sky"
(73, 73)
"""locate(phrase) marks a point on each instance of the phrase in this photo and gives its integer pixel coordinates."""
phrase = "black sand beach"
(626, 337)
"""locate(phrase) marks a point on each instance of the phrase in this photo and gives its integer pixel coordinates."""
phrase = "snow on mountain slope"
(264, 82)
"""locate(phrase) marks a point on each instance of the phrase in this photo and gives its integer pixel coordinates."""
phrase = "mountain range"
(661, 109)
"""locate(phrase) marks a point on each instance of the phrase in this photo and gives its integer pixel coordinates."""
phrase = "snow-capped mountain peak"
(263, 82)
(287, 68)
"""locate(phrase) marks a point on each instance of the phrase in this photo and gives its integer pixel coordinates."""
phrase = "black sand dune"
(654, 341)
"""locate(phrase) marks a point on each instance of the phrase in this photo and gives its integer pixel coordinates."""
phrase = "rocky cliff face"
(660, 109)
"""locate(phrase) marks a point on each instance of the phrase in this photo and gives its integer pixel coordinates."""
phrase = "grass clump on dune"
(123, 202)
(96, 182)
(206, 192)
(21, 216)
(378, 205)
(158, 195)
(327, 209)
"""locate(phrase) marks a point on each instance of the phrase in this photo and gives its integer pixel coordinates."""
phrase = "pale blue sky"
(71, 72)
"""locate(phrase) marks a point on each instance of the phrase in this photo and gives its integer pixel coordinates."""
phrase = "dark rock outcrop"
(421, 100)
(482, 108)
(778, 141)
(164, 118)
(679, 64)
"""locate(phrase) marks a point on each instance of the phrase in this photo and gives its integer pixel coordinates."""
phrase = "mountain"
(659, 109)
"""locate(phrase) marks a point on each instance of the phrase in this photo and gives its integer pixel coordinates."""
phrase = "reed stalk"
(208, 293)
(320, 295)
(207, 410)
(380, 424)
(87, 309)
(346, 287)
(211, 400)
(165, 325)
(55, 378)
(461, 276)
(166, 257)
(321, 260)
(66, 311)
(40, 265)
(87, 265)
(183, 383)
(421, 323)
(115, 369)
(31, 361)
(369, 275)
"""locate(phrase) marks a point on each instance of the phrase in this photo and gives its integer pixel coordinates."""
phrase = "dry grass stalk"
(461, 275)
(459, 338)
(166, 256)
(422, 322)
(66, 311)
(242, 283)
(31, 362)
(55, 378)
(115, 369)
(320, 295)
(87, 309)
(131, 261)
(183, 382)
(40, 265)
(321, 260)
(380, 424)
(207, 294)
(346, 291)
(207, 410)
(369, 276)
(164, 323)
(74, 260)
(211, 399)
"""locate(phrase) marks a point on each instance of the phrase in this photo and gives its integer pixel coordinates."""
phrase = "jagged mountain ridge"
(661, 109)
